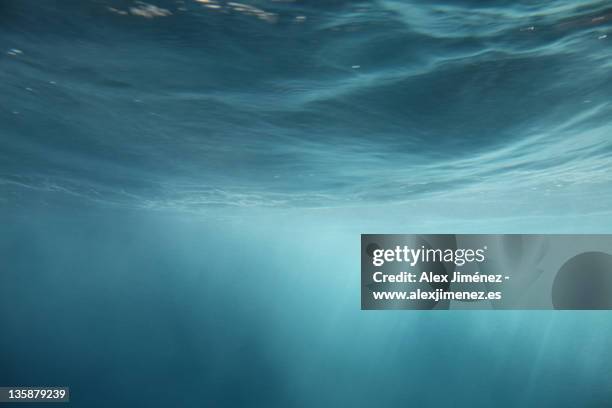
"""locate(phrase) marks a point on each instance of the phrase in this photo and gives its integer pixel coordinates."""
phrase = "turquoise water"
(182, 189)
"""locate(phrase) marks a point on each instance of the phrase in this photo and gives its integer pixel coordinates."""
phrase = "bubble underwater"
(183, 185)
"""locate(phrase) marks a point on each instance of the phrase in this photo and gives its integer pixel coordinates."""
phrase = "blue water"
(183, 185)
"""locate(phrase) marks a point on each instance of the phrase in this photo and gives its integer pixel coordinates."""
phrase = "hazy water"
(183, 187)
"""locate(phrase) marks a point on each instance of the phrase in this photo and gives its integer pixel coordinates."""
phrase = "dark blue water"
(183, 185)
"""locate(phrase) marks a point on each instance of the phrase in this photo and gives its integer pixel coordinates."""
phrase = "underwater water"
(183, 185)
